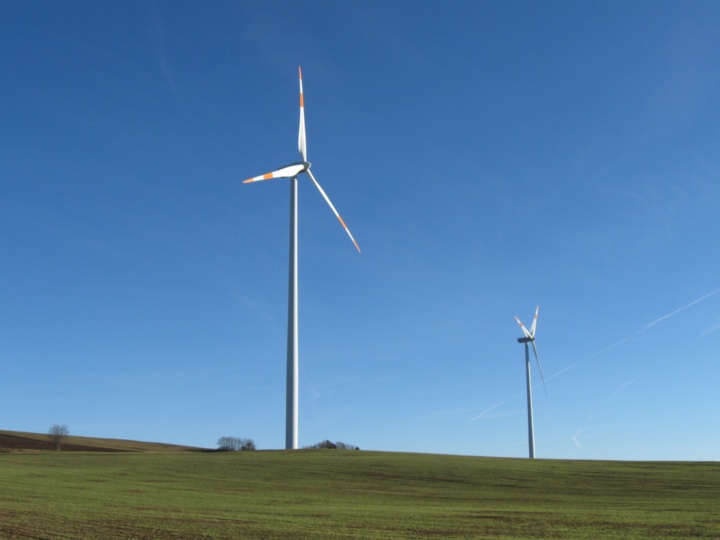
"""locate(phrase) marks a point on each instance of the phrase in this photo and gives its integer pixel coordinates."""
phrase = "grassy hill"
(350, 495)
(19, 441)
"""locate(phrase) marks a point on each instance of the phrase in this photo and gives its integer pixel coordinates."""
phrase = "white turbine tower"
(292, 171)
(530, 339)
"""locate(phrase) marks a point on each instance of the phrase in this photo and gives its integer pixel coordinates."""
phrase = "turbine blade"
(525, 330)
(537, 359)
(302, 143)
(534, 323)
(285, 172)
(327, 200)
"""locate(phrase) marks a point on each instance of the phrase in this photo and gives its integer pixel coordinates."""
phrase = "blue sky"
(488, 157)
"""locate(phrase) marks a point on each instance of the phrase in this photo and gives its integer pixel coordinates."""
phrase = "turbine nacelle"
(305, 166)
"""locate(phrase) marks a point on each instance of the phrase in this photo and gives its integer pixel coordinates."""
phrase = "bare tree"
(227, 444)
(247, 445)
(235, 444)
(56, 435)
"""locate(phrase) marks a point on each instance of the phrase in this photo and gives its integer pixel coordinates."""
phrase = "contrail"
(708, 331)
(575, 440)
(643, 329)
(568, 368)
(623, 386)
(676, 311)
(482, 414)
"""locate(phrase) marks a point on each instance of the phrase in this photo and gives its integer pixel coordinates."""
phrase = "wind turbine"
(530, 339)
(292, 171)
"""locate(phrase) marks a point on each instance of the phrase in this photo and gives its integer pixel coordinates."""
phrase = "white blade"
(285, 172)
(525, 331)
(302, 143)
(534, 323)
(327, 200)
(537, 359)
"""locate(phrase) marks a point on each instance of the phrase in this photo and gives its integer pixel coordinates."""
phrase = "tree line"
(238, 444)
(333, 446)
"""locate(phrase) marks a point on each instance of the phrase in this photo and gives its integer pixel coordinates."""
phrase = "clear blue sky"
(488, 156)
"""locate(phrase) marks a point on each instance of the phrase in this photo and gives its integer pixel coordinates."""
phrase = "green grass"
(350, 494)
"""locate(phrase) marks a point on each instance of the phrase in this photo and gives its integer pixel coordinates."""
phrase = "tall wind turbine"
(530, 339)
(292, 171)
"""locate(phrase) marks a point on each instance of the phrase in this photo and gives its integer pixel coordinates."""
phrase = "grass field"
(350, 494)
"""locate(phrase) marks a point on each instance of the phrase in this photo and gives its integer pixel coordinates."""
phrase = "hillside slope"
(19, 441)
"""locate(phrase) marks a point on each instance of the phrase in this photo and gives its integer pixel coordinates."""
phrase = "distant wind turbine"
(292, 171)
(530, 338)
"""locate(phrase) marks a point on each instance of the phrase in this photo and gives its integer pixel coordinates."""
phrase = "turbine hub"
(525, 339)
